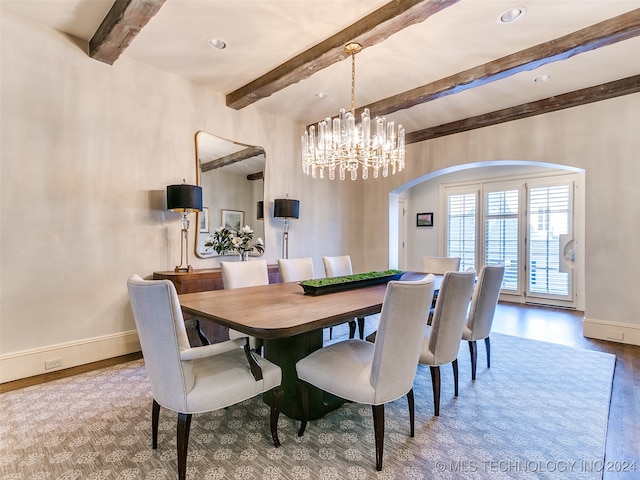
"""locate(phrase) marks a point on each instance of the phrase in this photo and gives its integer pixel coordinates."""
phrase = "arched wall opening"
(408, 242)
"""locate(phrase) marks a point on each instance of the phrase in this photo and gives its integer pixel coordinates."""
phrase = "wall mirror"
(231, 175)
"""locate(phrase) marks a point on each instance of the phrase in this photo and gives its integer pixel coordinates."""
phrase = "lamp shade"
(184, 198)
(286, 208)
(260, 209)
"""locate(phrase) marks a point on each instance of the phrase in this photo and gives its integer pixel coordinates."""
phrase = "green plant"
(226, 241)
(320, 282)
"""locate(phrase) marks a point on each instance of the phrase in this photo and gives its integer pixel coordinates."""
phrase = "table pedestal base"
(285, 352)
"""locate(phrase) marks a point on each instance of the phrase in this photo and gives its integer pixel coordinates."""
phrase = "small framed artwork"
(424, 219)
(203, 220)
(232, 219)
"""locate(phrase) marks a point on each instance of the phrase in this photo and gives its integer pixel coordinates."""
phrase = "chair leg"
(454, 364)
(184, 424)
(303, 396)
(473, 351)
(277, 394)
(352, 329)
(361, 327)
(435, 380)
(487, 343)
(378, 432)
(155, 416)
(412, 413)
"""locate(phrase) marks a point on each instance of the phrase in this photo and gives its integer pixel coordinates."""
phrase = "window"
(461, 228)
(525, 223)
(501, 239)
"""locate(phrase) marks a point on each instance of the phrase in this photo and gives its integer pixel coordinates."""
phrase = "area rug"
(540, 412)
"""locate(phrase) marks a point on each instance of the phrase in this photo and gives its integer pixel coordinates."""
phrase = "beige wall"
(88, 149)
(601, 138)
(87, 152)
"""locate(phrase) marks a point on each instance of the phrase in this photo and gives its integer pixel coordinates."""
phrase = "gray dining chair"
(245, 274)
(339, 266)
(438, 266)
(442, 338)
(191, 380)
(374, 373)
(295, 269)
(483, 307)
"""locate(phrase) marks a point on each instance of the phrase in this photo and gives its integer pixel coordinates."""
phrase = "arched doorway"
(546, 255)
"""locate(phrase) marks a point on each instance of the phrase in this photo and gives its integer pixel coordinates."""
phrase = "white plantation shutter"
(501, 237)
(461, 228)
(549, 218)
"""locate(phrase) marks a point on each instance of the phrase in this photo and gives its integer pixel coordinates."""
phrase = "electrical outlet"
(49, 364)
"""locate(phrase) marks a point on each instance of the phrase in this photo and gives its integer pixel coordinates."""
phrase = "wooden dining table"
(290, 323)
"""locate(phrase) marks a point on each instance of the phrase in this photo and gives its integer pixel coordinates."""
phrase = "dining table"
(290, 323)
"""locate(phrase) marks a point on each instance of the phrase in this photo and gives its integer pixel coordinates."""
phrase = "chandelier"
(342, 145)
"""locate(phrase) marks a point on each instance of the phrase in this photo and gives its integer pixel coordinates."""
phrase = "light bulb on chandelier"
(341, 144)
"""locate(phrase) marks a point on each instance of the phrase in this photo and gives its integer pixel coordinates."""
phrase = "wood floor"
(537, 323)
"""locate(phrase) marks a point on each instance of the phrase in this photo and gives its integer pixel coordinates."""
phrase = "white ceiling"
(262, 34)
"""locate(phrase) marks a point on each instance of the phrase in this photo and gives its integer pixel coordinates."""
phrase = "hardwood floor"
(537, 323)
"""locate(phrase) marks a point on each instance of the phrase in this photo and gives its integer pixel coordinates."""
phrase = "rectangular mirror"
(231, 175)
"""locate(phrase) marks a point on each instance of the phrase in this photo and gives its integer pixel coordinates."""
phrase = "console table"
(204, 280)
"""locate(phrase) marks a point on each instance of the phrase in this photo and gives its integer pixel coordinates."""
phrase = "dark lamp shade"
(260, 209)
(286, 208)
(184, 198)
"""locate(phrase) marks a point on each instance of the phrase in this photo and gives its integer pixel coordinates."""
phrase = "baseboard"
(27, 363)
(611, 331)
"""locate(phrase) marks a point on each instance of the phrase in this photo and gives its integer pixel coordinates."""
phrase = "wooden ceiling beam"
(123, 22)
(608, 32)
(370, 30)
(231, 159)
(605, 91)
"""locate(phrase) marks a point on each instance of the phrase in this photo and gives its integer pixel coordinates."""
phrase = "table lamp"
(184, 199)
(286, 208)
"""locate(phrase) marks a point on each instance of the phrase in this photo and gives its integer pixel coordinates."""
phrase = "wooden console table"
(204, 280)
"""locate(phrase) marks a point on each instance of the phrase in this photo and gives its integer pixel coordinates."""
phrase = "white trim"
(27, 363)
(611, 331)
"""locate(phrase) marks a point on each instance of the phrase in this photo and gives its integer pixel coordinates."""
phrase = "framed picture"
(203, 220)
(232, 219)
(424, 219)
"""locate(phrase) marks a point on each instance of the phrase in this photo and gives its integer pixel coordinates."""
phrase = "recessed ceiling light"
(542, 78)
(322, 95)
(512, 14)
(217, 43)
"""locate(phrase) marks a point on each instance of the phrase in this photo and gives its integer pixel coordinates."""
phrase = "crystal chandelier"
(341, 144)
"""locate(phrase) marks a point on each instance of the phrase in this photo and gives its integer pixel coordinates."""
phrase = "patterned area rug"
(540, 412)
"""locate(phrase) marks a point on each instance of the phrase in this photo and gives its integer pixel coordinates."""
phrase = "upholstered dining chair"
(194, 380)
(483, 307)
(440, 265)
(295, 269)
(337, 267)
(374, 373)
(245, 274)
(442, 338)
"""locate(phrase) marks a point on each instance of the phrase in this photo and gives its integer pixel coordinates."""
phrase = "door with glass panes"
(525, 224)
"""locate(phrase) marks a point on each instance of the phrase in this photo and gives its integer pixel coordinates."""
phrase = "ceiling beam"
(370, 30)
(572, 99)
(123, 22)
(608, 32)
(231, 159)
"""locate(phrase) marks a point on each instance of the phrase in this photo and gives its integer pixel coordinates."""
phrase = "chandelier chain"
(353, 83)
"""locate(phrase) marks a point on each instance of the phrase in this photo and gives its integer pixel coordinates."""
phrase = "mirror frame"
(226, 153)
